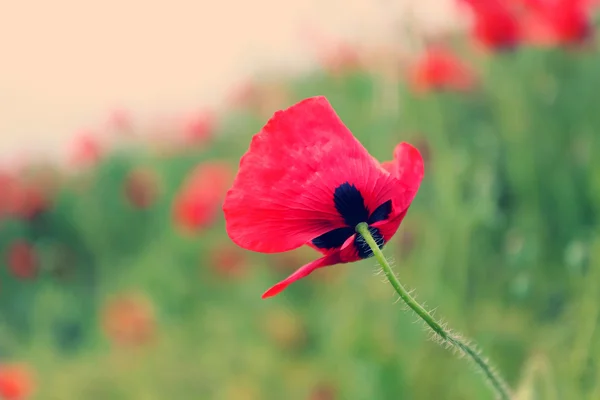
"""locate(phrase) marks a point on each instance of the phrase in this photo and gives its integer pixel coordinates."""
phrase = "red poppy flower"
(495, 24)
(306, 180)
(440, 69)
(557, 22)
(16, 382)
(22, 260)
(198, 201)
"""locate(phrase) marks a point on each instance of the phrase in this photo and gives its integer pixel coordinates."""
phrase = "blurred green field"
(502, 241)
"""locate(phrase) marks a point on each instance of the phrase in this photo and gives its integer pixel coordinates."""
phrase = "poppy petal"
(408, 168)
(283, 195)
(331, 259)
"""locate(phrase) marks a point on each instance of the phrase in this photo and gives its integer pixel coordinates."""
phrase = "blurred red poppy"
(198, 129)
(197, 203)
(495, 25)
(556, 22)
(439, 69)
(85, 151)
(21, 199)
(307, 180)
(22, 260)
(141, 188)
(16, 382)
(120, 120)
(128, 319)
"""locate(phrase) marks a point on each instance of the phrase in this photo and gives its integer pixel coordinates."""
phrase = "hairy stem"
(446, 337)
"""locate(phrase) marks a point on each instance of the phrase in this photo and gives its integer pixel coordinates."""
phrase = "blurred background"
(121, 127)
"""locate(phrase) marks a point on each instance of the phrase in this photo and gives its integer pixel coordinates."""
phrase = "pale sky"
(65, 64)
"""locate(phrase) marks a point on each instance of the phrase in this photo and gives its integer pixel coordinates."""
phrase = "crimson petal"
(283, 195)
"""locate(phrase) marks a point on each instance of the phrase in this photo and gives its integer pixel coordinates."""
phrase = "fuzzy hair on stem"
(439, 331)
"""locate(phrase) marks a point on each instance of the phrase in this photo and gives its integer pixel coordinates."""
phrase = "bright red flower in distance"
(22, 260)
(557, 22)
(306, 180)
(495, 24)
(198, 201)
(439, 69)
(16, 382)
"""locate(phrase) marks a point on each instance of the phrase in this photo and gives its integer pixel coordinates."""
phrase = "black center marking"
(333, 239)
(350, 203)
(381, 213)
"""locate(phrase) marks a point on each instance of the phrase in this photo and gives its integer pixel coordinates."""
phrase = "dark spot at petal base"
(350, 204)
(333, 239)
(381, 213)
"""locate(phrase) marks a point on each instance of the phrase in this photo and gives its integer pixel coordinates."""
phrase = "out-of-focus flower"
(16, 382)
(129, 320)
(228, 260)
(591, 5)
(120, 120)
(323, 391)
(197, 203)
(22, 260)
(440, 69)
(85, 151)
(556, 22)
(495, 23)
(21, 199)
(141, 188)
(199, 128)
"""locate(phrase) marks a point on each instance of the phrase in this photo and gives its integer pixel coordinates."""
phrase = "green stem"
(445, 336)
